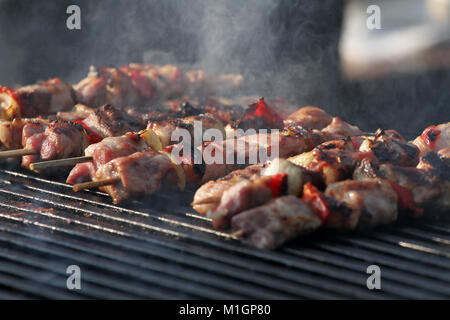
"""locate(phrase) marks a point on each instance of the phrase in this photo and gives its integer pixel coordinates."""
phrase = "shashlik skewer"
(347, 205)
(291, 141)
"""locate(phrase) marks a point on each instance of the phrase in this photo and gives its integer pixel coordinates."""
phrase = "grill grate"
(159, 248)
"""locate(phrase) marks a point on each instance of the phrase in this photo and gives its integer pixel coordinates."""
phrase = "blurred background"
(308, 52)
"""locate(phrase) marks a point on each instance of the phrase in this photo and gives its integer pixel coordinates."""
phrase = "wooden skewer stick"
(94, 184)
(237, 234)
(16, 153)
(38, 166)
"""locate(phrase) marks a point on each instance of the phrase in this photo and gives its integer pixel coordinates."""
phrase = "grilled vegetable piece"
(165, 129)
(361, 204)
(57, 140)
(270, 225)
(433, 138)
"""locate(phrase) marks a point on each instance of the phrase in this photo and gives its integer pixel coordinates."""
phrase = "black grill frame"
(158, 248)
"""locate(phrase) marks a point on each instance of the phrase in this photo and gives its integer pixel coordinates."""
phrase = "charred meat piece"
(57, 140)
(103, 152)
(141, 173)
(390, 150)
(434, 138)
(416, 188)
(270, 225)
(361, 204)
(333, 160)
(108, 121)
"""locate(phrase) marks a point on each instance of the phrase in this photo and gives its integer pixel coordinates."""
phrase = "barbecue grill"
(159, 248)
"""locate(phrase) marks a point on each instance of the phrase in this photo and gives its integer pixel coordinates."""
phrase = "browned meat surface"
(434, 138)
(57, 140)
(141, 173)
(339, 129)
(103, 152)
(423, 184)
(388, 149)
(270, 225)
(79, 112)
(108, 121)
(333, 160)
(11, 132)
(209, 195)
(361, 204)
(309, 118)
(107, 85)
(248, 148)
(242, 196)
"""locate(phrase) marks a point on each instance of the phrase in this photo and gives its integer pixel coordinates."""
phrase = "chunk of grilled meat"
(360, 204)
(339, 129)
(221, 159)
(336, 160)
(103, 152)
(57, 140)
(270, 225)
(11, 132)
(78, 112)
(108, 121)
(36, 100)
(141, 173)
(309, 118)
(248, 188)
(434, 138)
(209, 195)
(418, 188)
(389, 149)
(107, 85)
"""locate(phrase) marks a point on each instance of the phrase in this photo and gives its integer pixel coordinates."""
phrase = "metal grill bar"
(111, 241)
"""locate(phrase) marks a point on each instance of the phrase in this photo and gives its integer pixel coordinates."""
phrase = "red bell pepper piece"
(406, 199)
(276, 184)
(316, 200)
(92, 136)
(262, 110)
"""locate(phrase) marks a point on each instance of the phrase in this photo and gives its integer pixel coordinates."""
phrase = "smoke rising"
(284, 48)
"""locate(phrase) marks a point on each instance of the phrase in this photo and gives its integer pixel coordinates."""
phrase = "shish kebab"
(43, 139)
(108, 121)
(385, 182)
(134, 84)
(119, 172)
